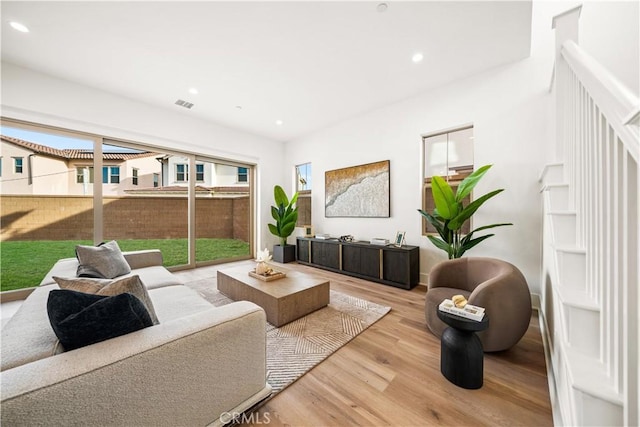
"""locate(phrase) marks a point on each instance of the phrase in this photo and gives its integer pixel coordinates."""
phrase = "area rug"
(295, 348)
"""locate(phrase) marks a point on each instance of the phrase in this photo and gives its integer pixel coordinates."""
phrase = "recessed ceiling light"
(238, 107)
(279, 122)
(417, 57)
(19, 27)
(382, 7)
(193, 91)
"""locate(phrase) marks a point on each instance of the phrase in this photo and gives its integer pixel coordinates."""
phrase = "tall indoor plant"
(450, 214)
(285, 213)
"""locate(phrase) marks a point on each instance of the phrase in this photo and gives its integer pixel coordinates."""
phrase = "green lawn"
(24, 264)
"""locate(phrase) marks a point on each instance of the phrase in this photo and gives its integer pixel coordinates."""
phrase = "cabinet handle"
(381, 266)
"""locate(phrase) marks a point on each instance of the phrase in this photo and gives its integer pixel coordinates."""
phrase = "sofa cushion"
(105, 260)
(28, 336)
(129, 284)
(79, 319)
(174, 302)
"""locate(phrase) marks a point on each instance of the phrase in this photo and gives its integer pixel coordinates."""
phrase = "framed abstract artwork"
(358, 191)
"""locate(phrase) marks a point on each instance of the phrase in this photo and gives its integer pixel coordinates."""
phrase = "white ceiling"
(309, 64)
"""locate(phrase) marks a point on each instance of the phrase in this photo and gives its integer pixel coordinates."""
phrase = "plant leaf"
(287, 229)
(280, 196)
(437, 224)
(443, 197)
(440, 244)
(467, 184)
(274, 230)
(470, 209)
(274, 213)
(470, 244)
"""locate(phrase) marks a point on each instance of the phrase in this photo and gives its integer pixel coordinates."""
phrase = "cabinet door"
(351, 259)
(325, 254)
(303, 250)
(396, 266)
(370, 262)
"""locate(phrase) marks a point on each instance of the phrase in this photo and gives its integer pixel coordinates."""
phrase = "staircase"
(589, 299)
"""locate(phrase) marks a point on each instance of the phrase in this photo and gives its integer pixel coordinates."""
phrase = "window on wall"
(111, 174)
(303, 187)
(60, 209)
(17, 164)
(84, 174)
(303, 177)
(134, 176)
(181, 172)
(199, 172)
(0, 166)
(447, 154)
(243, 175)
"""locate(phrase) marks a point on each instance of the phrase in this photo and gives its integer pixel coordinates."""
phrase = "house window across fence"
(17, 164)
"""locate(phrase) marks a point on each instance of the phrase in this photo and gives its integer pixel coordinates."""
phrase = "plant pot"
(284, 254)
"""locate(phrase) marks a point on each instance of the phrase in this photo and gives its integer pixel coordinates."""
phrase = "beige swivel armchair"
(496, 285)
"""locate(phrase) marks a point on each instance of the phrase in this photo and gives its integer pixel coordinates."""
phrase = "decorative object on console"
(450, 214)
(323, 236)
(346, 238)
(308, 230)
(399, 241)
(285, 214)
(358, 191)
(379, 241)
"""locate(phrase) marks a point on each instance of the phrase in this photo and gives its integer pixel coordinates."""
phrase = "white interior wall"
(36, 97)
(511, 110)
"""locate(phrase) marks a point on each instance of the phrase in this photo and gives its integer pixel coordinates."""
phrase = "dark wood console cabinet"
(390, 265)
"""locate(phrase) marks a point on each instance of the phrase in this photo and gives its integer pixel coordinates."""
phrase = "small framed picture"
(399, 241)
(308, 231)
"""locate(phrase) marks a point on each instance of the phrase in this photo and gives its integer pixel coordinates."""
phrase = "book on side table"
(469, 311)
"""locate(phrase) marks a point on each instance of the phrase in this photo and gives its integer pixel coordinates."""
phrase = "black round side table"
(461, 354)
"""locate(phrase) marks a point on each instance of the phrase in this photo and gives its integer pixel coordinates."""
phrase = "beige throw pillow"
(105, 261)
(132, 285)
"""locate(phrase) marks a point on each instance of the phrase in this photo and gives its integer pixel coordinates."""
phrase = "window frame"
(184, 173)
(453, 180)
(134, 176)
(15, 165)
(111, 178)
(80, 175)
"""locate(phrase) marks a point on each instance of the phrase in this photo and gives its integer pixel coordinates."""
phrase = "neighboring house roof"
(73, 153)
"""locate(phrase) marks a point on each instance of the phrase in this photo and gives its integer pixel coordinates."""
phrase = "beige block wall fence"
(71, 218)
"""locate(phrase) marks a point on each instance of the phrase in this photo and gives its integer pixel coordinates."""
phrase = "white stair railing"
(598, 142)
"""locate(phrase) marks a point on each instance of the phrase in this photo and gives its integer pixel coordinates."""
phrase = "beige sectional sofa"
(200, 365)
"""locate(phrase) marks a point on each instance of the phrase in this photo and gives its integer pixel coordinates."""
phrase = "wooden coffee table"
(284, 300)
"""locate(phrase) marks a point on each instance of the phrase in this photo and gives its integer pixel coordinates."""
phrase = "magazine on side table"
(469, 311)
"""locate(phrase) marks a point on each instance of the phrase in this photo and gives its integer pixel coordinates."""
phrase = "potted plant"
(450, 214)
(285, 212)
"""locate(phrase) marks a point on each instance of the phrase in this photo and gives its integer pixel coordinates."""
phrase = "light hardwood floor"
(390, 374)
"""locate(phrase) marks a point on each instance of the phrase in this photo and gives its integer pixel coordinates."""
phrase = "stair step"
(557, 196)
(598, 402)
(563, 228)
(582, 323)
(572, 267)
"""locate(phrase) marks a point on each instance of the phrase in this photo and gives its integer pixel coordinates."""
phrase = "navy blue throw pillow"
(79, 319)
